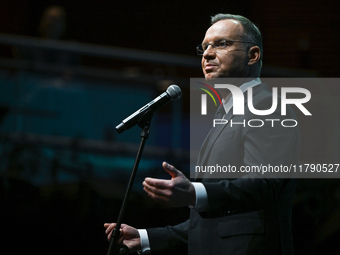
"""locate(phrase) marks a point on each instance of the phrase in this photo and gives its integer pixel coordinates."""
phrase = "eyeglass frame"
(200, 51)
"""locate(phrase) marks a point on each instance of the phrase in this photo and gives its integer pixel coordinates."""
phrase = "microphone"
(173, 92)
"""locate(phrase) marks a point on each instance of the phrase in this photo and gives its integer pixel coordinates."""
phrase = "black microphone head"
(174, 92)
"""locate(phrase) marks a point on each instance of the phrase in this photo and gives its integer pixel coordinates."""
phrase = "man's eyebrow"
(219, 40)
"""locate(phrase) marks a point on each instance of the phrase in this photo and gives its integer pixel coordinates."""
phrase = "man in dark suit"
(248, 215)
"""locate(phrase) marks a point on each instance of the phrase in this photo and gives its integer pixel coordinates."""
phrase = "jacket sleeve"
(169, 239)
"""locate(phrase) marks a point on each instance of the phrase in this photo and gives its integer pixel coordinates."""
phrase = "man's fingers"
(106, 225)
(109, 228)
(158, 183)
(156, 195)
(157, 198)
(161, 183)
(156, 191)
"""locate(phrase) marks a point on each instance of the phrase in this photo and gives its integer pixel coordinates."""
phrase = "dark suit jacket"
(246, 215)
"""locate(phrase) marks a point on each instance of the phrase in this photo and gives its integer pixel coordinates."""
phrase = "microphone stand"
(114, 247)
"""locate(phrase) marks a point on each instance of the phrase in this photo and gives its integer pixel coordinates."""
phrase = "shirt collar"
(228, 100)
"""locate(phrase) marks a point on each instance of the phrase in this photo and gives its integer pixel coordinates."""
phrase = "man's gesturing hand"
(176, 192)
(129, 236)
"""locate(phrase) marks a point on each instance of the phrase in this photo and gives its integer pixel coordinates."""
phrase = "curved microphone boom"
(173, 92)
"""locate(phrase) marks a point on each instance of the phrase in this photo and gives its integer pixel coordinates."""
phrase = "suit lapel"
(211, 138)
(216, 131)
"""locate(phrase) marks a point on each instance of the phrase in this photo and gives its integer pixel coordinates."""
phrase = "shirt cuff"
(201, 197)
(144, 242)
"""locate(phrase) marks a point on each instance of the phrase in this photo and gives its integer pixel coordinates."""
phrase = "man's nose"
(209, 52)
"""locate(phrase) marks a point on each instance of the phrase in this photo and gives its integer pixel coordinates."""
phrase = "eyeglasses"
(218, 45)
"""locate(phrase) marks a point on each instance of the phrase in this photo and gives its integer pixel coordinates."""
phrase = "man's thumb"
(170, 169)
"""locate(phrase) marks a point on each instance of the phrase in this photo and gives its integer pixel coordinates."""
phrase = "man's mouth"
(209, 67)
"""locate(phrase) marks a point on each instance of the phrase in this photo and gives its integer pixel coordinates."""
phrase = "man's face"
(228, 62)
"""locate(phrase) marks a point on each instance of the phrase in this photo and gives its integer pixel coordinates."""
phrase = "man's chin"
(211, 76)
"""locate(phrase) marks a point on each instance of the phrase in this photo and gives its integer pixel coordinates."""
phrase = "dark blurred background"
(70, 71)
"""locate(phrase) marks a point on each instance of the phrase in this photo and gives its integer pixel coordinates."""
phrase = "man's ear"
(254, 55)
